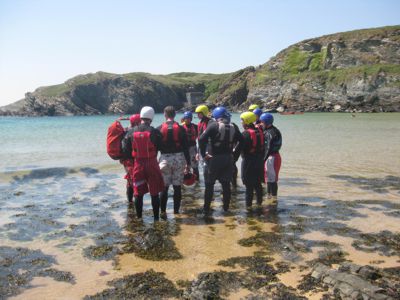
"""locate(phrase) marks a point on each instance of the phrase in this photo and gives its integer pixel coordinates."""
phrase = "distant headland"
(343, 72)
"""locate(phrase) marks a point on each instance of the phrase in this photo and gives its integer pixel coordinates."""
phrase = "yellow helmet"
(248, 117)
(253, 107)
(202, 109)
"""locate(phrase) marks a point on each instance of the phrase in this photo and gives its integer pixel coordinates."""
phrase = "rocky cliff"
(351, 71)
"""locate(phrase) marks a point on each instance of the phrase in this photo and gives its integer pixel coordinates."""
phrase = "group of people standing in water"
(215, 143)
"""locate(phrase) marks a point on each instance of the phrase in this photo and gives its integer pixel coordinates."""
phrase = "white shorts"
(172, 166)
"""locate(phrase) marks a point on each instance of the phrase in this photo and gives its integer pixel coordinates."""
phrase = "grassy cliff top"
(174, 79)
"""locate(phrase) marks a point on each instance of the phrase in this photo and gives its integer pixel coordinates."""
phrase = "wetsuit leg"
(208, 194)
(259, 192)
(234, 175)
(274, 189)
(139, 205)
(249, 194)
(164, 199)
(129, 193)
(269, 189)
(226, 194)
(155, 203)
(177, 198)
(196, 172)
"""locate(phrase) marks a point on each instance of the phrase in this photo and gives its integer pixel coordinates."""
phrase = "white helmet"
(147, 112)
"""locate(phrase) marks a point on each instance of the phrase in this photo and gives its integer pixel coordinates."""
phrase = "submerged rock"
(352, 282)
(18, 267)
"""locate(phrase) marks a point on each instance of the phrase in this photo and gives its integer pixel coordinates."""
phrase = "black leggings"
(177, 198)
(155, 203)
(250, 187)
(209, 191)
(272, 188)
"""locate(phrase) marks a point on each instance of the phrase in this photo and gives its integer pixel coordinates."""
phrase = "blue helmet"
(188, 115)
(220, 112)
(258, 111)
(267, 118)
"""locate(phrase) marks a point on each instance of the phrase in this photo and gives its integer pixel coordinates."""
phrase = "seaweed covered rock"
(147, 285)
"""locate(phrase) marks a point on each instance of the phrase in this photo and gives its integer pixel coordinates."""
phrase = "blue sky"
(44, 42)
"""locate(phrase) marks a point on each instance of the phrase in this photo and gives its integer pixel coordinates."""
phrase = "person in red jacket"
(174, 159)
(192, 134)
(142, 143)
(128, 162)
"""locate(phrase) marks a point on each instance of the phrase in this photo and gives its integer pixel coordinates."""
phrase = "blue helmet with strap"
(267, 118)
(188, 115)
(258, 111)
(220, 112)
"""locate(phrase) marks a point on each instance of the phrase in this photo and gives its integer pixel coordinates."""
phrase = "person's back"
(216, 146)
(174, 158)
(142, 142)
(252, 154)
(192, 135)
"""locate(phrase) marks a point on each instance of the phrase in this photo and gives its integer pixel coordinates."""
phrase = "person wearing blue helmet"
(272, 158)
(216, 147)
(258, 112)
(191, 133)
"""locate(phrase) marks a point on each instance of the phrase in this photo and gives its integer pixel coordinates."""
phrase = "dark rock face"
(109, 96)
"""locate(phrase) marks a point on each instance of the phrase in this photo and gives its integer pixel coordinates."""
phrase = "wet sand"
(67, 233)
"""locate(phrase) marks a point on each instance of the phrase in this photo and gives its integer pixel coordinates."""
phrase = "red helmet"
(134, 119)
(189, 178)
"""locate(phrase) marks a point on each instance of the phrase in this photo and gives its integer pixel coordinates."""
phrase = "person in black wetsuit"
(220, 136)
(272, 158)
(252, 158)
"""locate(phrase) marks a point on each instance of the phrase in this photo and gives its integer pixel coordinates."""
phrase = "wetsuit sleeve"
(267, 144)
(239, 143)
(156, 138)
(203, 139)
(127, 144)
(184, 143)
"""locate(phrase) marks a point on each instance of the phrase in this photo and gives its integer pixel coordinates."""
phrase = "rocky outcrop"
(351, 71)
(110, 95)
(352, 281)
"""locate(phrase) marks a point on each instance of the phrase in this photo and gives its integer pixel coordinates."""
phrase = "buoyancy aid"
(257, 140)
(202, 126)
(168, 130)
(142, 146)
(225, 136)
(191, 133)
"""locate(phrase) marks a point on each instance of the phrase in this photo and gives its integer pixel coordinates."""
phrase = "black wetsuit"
(273, 143)
(253, 163)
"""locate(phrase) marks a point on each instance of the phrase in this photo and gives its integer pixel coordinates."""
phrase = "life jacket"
(191, 133)
(257, 139)
(115, 134)
(225, 135)
(202, 126)
(170, 129)
(142, 146)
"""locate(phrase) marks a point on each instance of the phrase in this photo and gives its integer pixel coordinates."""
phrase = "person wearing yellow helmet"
(252, 158)
(253, 107)
(202, 113)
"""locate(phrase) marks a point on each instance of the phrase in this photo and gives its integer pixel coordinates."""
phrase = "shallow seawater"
(67, 231)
